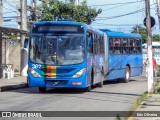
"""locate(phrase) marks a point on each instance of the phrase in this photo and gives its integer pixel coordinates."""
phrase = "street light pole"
(158, 12)
(149, 44)
(23, 27)
(1, 12)
(1, 19)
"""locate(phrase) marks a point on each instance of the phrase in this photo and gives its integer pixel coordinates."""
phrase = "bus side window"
(90, 42)
(132, 46)
(116, 46)
(111, 46)
(124, 46)
(138, 46)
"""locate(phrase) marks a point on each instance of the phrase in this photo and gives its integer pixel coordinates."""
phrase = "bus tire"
(127, 75)
(42, 89)
(88, 89)
(27, 82)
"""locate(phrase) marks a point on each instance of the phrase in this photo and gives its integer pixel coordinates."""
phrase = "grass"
(157, 87)
(140, 100)
(136, 105)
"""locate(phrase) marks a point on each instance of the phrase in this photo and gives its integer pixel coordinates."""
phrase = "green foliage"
(156, 37)
(11, 36)
(142, 31)
(16, 70)
(157, 87)
(158, 74)
(48, 11)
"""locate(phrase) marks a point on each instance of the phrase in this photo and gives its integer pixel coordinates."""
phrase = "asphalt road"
(114, 96)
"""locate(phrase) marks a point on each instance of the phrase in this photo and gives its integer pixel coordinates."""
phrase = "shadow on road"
(73, 90)
(117, 93)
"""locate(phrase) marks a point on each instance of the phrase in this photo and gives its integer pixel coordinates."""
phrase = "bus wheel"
(88, 89)
(42, 89)
(27, 82)
(127, 75)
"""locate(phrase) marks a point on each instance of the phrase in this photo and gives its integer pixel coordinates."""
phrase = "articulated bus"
(124, 58)
(67, 54)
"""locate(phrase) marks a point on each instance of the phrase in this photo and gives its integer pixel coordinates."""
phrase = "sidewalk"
(150, 108)
(13, 83)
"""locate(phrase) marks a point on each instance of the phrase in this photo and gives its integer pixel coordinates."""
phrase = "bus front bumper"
(58, 82)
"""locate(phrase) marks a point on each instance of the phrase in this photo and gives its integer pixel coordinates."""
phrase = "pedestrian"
(154, 66)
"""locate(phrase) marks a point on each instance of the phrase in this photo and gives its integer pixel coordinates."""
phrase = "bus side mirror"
(26, 43)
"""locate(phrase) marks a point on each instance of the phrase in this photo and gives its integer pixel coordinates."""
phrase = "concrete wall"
(11, 53)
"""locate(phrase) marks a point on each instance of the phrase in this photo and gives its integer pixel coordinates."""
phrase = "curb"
(13, 87)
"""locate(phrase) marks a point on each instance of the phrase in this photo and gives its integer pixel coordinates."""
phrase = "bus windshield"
(57, 50)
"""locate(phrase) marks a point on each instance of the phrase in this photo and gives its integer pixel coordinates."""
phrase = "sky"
(108, 18)
(123, 23)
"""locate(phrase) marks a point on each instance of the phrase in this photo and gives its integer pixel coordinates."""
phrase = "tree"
(54, 9)
(156, 37)
(142, 31)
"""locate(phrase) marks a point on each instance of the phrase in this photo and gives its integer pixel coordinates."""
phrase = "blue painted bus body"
(117, 62)
(61, 76)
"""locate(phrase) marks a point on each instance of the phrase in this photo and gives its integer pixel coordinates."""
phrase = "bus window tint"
(101, 45)
(124, 44)
(57, 50)
(132, 46)
(138, 45)
(116, 46)
(111, 48)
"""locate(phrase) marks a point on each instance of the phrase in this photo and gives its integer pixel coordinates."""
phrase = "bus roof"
(61, 22)
(69, 22)
(58, 22)
(118, 34)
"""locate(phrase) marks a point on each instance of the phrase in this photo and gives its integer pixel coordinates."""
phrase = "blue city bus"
(124, 55)
(66, 54)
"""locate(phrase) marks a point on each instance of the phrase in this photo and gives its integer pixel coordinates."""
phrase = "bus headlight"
(79, 73)
(34, 73)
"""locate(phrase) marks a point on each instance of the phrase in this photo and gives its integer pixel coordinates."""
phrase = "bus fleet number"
(36, 66)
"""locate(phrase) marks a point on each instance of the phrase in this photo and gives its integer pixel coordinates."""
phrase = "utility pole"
(158, 12)
(34, 5)
(149, 44)
(1, 12)
(1, 19)
(77, 2)
(23, 26)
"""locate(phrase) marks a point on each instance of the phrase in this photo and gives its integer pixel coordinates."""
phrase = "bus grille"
(56, 82)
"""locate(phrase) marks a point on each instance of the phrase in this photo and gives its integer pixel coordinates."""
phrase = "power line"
(10, 12)
(112, 17)
(10, 4)
(114, 7)
(118, 3)
(117, 24)
(8, 8)
(11, 17)
(119, 6)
